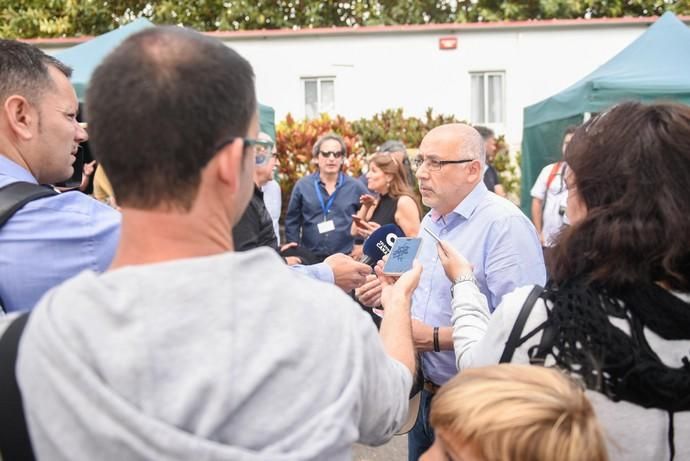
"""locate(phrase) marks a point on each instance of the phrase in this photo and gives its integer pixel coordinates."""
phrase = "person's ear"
(230, 164)
(474, 170)
(21, 116)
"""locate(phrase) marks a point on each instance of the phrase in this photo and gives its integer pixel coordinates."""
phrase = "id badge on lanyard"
(327, 225)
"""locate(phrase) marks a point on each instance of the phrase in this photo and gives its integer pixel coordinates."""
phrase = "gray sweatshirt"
(228, 357)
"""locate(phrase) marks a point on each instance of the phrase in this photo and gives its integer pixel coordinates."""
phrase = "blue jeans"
(421, 437)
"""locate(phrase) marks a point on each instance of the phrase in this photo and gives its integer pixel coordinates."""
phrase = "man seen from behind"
(186, 349)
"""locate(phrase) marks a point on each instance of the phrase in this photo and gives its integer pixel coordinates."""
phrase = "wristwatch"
(465, 277)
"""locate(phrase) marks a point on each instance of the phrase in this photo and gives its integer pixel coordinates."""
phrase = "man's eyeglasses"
(334, 154)
(435, 165)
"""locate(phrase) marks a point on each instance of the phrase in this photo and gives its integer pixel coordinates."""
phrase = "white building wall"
(374, 72)
(378, 71)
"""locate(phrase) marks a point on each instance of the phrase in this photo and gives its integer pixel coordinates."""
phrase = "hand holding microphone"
(377, 246)
(369, 294)
(380, 243)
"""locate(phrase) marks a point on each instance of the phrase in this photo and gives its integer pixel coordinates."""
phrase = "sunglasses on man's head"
(333, 154)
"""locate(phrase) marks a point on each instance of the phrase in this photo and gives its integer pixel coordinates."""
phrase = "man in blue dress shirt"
(491, 232)
(319, 214)
(53, 238)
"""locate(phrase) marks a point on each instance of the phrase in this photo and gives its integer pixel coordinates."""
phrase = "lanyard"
(326, 207)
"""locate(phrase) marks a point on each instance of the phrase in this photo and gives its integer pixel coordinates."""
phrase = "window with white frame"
(487, 97)
(319, 96)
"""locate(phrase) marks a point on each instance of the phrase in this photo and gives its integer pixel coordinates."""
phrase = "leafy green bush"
(392, 124)
(296, 138)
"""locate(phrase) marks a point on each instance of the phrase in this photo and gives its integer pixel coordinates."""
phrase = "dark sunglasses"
(337, 154)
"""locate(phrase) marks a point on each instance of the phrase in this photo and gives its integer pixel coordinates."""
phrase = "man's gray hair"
(330, 136)
(24, 70)
(485, 132)
(392, 146)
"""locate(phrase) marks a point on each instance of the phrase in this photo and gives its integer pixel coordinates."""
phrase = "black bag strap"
(16, 195)
(14, 435)
(514, 338)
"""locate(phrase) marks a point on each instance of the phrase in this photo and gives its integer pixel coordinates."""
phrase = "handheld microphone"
(379, 243)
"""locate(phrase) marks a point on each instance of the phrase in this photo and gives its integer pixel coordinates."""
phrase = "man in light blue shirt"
(491, 232)
(53, 238)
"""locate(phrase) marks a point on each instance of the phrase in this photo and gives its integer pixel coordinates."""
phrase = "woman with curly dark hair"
(616, 312)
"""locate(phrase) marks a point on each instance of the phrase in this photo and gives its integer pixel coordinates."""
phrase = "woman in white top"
(616, 312)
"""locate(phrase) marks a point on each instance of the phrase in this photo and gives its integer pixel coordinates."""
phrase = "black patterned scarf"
(581, 339)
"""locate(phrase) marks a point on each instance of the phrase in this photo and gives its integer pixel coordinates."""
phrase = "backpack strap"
(14, 434)
(16, 195)
(514, 339)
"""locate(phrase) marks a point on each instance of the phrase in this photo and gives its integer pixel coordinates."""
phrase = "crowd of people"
(170, 320)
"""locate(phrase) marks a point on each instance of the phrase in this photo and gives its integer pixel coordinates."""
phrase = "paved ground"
(395, 450)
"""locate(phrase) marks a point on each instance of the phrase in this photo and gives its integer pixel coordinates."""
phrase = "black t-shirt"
(385, 210)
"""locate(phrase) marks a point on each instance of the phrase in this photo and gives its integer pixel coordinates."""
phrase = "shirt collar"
(466, 207)
(317, 176)
(14, 171)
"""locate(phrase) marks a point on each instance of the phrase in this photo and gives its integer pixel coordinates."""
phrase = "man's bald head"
(456, 137)
(452, 164)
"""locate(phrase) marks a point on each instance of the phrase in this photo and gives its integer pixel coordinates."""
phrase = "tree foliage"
(57, 18)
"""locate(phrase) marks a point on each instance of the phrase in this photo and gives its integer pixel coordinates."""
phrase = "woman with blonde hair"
(514, 413)
(396, 203)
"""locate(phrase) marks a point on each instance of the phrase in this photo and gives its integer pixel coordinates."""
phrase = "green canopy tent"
(656, 66)
(84, 59)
